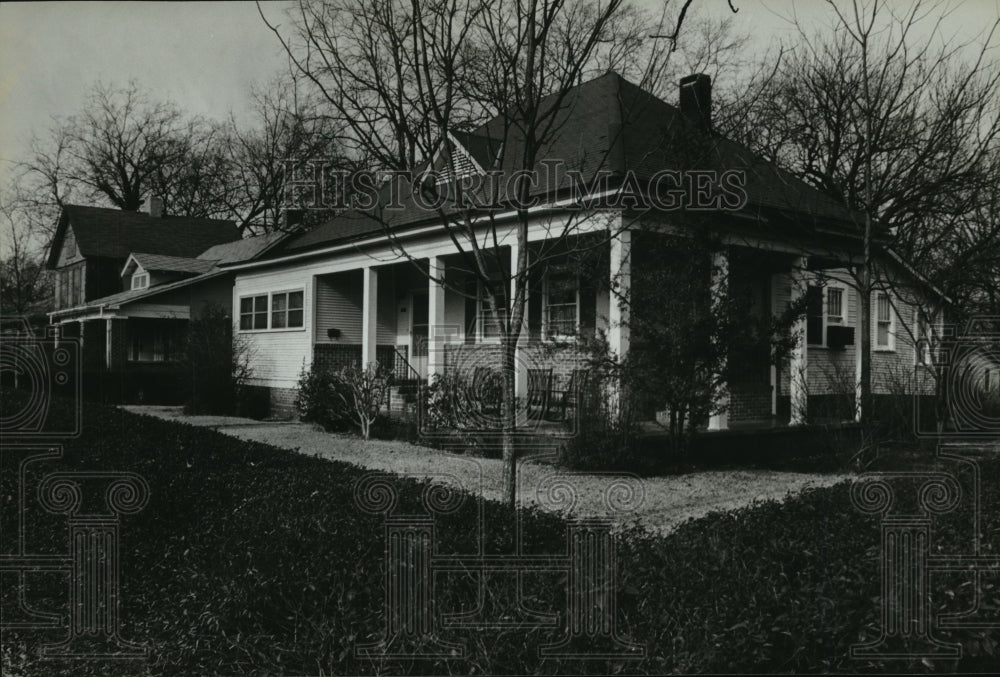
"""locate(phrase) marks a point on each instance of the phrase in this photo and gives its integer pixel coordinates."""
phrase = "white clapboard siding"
(338, 305)
(278, 356)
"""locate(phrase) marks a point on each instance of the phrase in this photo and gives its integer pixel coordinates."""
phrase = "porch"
(429, 316)
(129, 359)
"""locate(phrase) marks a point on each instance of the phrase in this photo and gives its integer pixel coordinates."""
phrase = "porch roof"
(116, 301)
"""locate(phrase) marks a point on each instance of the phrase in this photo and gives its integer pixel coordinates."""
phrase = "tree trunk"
(509, 416)
(865, 342)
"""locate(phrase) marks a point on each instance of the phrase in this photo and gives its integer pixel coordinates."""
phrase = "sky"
(205, 55)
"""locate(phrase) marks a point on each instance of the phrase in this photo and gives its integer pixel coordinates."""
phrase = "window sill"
(883, 350)
(270, 331)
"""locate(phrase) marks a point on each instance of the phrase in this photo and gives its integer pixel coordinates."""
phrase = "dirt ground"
(659, 504)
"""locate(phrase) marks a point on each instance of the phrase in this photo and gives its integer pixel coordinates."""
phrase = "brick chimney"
(154, 206)
(696, 100)
(294, 218)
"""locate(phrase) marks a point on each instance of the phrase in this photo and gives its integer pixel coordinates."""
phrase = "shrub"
(605, 438)
(216, 363)
(338, 399)
(362, 394)
(320, 397)
(254, 560)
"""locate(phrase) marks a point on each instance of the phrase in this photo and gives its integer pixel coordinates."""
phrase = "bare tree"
(402, 77)
(124, 146)
(899, 122)
(285, 133)
(121, 147)
(25, 287)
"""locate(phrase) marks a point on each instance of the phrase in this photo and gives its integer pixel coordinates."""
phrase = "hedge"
(253, 560)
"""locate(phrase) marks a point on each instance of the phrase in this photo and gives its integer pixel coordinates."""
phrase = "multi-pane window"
(925, 335)
(883, 322)
(140, 280)
(834, 305)
(825, 306)
(283, 309)
(562, 296)
(253, 312)
(286, 310)
(69, 286)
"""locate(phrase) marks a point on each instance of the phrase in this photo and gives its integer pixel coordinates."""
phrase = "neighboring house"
(166, 271)
(341, 293)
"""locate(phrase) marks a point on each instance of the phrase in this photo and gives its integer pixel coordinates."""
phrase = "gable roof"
(605, 125)
(112, 233)
(170, 264)
(211, 261)
(242, 250)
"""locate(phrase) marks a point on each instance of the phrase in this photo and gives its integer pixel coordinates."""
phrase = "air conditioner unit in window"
(838, 337)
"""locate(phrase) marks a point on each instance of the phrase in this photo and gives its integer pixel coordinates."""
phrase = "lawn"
(250, 559)
(661, 503)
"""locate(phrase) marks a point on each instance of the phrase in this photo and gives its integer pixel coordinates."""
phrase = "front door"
(418, 331)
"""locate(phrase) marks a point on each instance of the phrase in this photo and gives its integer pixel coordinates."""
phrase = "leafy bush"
(320, 396)
(216, 363)
(605, 438)
(254, 560)
(450, 416)
(339, 399)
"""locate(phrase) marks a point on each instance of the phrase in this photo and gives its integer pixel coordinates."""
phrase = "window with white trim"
(140, 280)
(825, 306)
(561, 303)
(884, 324)
(277, 310)
(286, 310)
(835, 311)
(924, 337)
(253, 312)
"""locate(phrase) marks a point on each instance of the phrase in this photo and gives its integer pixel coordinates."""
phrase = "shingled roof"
(207, 266)
(172, 264)
(112, 233)
(607, 125)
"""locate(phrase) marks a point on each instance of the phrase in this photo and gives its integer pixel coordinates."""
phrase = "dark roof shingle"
(605, 125)
(112, 233)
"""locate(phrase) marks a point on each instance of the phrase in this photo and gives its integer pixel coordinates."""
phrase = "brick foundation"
(281, 403)
(336, 356)
(749, 402)
(561, 359)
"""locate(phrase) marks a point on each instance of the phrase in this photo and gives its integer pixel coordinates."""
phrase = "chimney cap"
(696, 99)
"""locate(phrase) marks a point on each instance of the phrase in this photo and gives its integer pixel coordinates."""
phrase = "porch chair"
(486, 389)
(539, 391)
(570, 396)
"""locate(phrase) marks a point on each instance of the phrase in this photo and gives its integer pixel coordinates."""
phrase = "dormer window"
(140, 280)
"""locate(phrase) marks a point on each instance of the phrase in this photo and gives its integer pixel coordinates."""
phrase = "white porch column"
(621, 278)
(435, 316)
(369, 315)
(521, 365)
(109, 323)
(798, 371)
(720, 289)
(857, 358)
(772, 289)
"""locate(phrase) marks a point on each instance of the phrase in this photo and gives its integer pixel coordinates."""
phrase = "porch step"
(403, 396)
